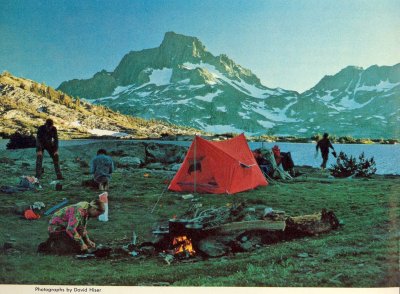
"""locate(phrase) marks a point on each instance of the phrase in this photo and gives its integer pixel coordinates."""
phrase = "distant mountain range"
(182, 83)
(25, 105)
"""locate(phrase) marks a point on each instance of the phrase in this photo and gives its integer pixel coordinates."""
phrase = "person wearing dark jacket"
(324, 144)
(47, 139)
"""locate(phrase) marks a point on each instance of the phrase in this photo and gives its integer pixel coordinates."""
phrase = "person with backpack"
(324, 144)
(102, 166)
(47, 139)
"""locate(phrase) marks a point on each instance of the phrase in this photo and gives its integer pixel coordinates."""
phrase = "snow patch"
(183, 101)
(350, 104)
(160, 77)
(76, 123)
(120, 89)
(266, 124)
(328, 97)
(381, 87)
(244, 115)
(219, 129)
(241, 85)
(208, 97)
(100, 132)
(222, 109)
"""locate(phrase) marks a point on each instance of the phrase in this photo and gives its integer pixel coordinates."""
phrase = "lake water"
(387, 157)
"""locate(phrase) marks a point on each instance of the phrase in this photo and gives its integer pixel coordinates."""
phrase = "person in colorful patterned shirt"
(67, 228)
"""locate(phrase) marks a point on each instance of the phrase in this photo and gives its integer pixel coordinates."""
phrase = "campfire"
(214, 232)
(183, 246)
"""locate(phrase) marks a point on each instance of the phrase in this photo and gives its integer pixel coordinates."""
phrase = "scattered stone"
(129, 161)
(174, 166)
(246, 246)
(148, 250)
(8, 245)
(164, 153)
(213, 247)
(20, 207)
(303, 255)
(6, 160)
(155, 165)
(169, 259)
(188, 196)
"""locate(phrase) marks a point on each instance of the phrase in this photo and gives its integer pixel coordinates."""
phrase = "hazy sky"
(287, 44)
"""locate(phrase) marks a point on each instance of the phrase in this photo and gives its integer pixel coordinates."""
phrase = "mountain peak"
(182, 46)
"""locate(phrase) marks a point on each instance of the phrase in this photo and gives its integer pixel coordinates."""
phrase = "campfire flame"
(182, 244)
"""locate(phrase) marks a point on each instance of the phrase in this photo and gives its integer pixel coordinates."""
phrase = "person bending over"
(47, 139)
(67, 228)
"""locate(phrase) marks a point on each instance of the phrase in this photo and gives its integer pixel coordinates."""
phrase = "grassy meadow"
(364, 252)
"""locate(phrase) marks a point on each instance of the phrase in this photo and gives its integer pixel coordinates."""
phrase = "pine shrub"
(348, 166)
(21, 140)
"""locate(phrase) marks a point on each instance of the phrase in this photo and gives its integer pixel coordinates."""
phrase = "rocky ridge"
(182, 83)
(25, 105)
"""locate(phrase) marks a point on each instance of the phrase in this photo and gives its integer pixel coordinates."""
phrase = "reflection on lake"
(387, 157)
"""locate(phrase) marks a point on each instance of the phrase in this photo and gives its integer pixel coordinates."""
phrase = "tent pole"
(195, 163)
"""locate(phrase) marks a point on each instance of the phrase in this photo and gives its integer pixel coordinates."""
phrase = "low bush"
(348, 166)
(20, 141)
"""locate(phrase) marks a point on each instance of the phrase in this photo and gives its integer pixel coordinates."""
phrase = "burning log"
(183, 245)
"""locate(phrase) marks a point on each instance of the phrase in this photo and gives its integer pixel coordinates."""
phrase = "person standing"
(324, 144)
(102, 167)
(47, 139)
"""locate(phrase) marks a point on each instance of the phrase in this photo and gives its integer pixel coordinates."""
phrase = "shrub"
(20, 141)
(348, 166)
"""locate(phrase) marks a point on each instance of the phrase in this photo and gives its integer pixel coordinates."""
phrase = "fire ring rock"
(213, 247)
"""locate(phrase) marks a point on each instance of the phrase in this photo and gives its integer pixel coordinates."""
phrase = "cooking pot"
(178, 226)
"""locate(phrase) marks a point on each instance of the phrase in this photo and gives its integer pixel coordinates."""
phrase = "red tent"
(218, 167)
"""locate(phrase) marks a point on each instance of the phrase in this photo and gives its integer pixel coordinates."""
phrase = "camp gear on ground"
(31, 215)
(31, 183)
(55, 207)
(287, 163)
(277, 154)
(277, 171)
(104, 198)
(38, 205)
(25, 183)
(218, 167)
(12, 189)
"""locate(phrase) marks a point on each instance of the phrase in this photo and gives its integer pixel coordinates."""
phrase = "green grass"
(362, 253)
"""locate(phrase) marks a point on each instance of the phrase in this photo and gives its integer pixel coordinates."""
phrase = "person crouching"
(102, 167)
(67, 228)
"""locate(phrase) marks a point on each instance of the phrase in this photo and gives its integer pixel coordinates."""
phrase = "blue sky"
(287, 44)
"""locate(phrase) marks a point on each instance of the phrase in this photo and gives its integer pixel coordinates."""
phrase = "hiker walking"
(67, 228)
(47, 139)
(324, 144)
(102, 167)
